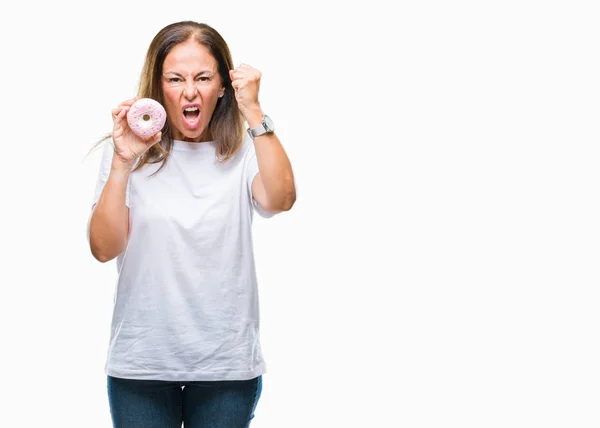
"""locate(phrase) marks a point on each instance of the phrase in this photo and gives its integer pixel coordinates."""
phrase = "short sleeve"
(251, 171)
(104, 171)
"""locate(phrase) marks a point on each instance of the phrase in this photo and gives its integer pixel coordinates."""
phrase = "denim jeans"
(198, 404)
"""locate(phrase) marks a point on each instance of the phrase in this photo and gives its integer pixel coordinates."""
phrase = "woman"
(176, 210)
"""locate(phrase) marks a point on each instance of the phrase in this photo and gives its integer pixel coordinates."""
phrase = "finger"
(237, 74)
(118, 119)
(241, 81)
(118, 130)
(151, 138)
(115, 113)
(123, 113)
(249, 71)
(118, 109)
(156, 138)
(127, 103)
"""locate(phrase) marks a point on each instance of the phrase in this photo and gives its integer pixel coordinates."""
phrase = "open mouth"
(191, 115)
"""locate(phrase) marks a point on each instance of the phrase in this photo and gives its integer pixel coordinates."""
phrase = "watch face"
(268, 123)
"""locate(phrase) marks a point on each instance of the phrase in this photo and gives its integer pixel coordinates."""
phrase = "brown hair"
(226, 126)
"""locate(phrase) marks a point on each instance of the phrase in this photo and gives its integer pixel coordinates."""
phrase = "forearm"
(109, 223)
(275, 168)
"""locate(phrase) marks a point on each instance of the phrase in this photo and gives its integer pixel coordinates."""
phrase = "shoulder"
(245, 153)
(247, 149)
(247, 145)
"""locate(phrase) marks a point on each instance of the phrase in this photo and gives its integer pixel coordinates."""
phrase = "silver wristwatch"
(263, 128)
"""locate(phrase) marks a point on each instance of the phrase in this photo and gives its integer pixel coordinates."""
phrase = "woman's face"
(191, 86)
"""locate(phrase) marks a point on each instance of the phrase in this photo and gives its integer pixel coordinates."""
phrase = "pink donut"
(146, 117)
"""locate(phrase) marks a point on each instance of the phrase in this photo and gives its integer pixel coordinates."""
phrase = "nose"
(190, 90)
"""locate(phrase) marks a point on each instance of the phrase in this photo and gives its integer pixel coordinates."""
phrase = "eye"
(173, 79)
(204, 78)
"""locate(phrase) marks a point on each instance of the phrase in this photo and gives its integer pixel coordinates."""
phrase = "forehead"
(189, 56)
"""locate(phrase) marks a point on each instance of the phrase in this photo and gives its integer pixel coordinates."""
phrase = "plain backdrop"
(440, 266)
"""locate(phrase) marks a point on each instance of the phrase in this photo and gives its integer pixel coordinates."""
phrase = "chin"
(191, 139)
(191, 136)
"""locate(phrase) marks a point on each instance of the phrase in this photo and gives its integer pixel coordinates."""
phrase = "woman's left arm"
(273, 187)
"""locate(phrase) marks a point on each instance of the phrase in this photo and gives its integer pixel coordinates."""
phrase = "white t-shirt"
(186, 301)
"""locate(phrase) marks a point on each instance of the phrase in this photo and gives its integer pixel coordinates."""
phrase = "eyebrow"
(198, 74)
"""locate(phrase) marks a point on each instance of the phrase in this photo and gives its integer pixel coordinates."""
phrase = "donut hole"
(146, 117)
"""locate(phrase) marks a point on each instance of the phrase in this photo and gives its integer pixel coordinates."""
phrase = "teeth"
(191, 108)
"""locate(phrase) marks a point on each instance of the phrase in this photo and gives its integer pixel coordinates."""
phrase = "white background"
(440, 266)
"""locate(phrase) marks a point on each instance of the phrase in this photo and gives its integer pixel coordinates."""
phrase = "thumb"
(150, 141)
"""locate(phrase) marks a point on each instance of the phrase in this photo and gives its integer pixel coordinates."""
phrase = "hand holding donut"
(130, 143)
(246, 83)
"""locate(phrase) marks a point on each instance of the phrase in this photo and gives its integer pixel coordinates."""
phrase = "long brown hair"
(226, 126)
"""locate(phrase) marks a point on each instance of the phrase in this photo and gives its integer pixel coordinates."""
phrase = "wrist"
(253, 116)
(120, 167)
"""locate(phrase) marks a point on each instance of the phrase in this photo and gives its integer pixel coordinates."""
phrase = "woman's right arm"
(109, 223)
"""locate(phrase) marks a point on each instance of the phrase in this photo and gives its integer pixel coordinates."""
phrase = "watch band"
(265, 126)
(259, 130)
